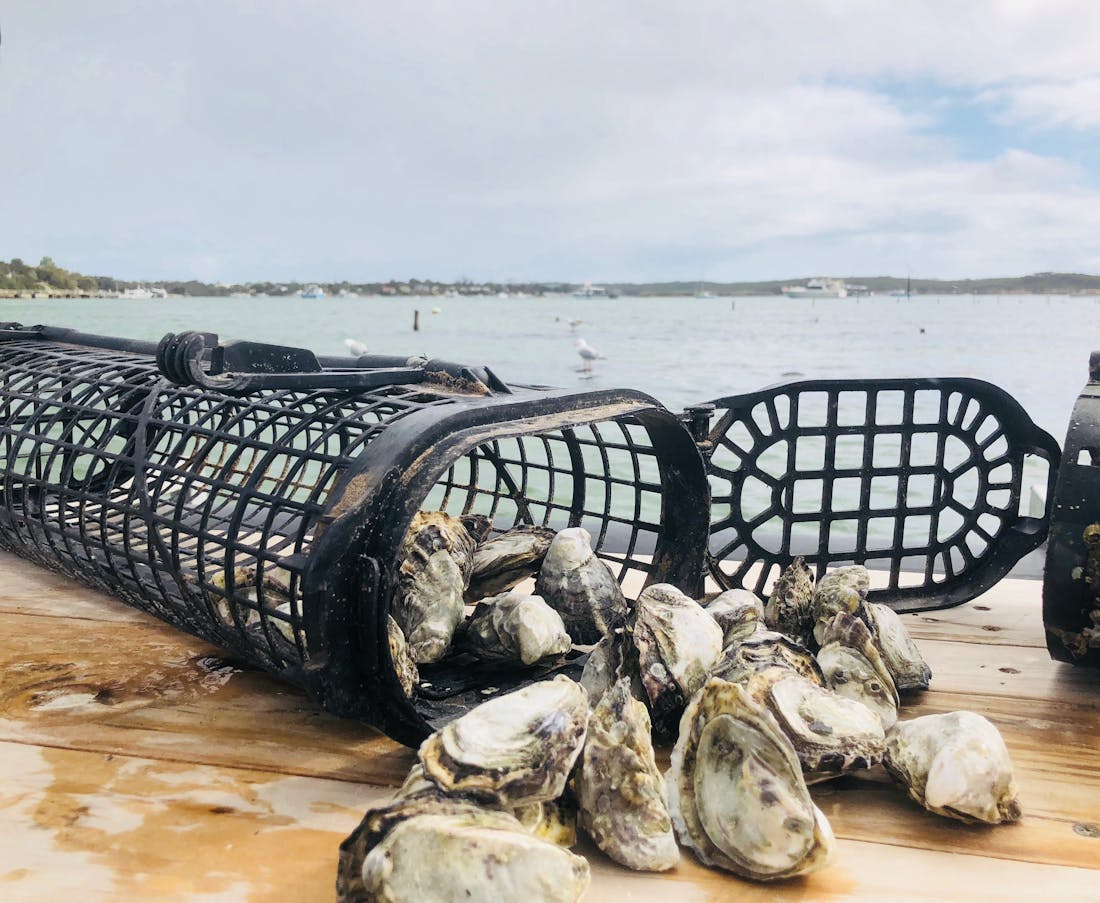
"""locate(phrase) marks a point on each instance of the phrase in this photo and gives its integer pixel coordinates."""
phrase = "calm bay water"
(681, 350)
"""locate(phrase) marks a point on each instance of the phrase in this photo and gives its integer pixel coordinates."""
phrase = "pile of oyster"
(758, 702)
(449, 563)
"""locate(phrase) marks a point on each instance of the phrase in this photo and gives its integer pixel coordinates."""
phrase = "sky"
(627, 141)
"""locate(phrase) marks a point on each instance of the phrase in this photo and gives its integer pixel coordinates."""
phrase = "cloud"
(624, 140)
(1075, 104)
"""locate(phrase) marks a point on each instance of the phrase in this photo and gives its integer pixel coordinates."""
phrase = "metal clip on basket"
(257, 496)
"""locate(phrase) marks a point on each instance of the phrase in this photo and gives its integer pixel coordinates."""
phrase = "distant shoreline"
(623, 295)
(48, 280)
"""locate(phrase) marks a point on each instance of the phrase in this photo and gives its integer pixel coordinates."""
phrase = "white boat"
(817, 288)
(591, 291)
(312, 291)
(141, 293)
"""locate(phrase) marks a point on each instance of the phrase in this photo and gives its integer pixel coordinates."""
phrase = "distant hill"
(18, 278)
(1036, 284)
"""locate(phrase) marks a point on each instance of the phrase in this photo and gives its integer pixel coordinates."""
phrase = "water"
(681, 350)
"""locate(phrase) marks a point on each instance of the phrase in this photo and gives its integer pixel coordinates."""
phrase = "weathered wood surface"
(139, 763)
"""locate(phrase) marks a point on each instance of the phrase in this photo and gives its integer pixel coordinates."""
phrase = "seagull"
(588, 355)
(573, 324)
(356, 348)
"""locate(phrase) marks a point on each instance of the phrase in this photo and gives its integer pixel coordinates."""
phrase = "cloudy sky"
(635, 140)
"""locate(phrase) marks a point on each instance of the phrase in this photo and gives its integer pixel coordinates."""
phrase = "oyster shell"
(766, 649)
(580, 587)
(610, 658)
(853, 667)
(736, 792)
(790, 606)
(738, 612)
(514, 627)
(552, 820)
(436, 850)
(404, 667)
(842, 589)
(433, 531)
(829, 732)
(478, 526)
(677, 643)
(428, 607)
(242, 587)
(437, 556)
(955, 765)
(901, 655)
(503, 561)
(515, 749)
(622, 798)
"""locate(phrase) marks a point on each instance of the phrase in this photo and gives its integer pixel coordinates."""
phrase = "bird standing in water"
(588, 355)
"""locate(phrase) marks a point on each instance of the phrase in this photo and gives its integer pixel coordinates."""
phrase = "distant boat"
(312, 291)
(591, 291)
(141, 293)
(817, 288)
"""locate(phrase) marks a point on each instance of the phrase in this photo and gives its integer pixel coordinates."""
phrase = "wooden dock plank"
(87, 826)
(122, 736)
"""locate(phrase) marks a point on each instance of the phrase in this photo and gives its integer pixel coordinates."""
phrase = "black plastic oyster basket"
(257, 496)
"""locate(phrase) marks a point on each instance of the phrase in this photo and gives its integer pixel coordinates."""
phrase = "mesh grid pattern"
(605, 477)
(194, 506)
(919, 479)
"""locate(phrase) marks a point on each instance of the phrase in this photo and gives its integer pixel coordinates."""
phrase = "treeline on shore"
(47, 278)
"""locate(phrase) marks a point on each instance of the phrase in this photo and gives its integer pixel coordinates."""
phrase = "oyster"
(515, 749)
(436, 850)
(610, 658)
(829, 732)
(736, 792)
(478, 526)
(765, 649)
(437, 556)
(403, 666)
(514, 627)
(621, 794)
(790, 606)
(954, 765)
(738, 612)
(901, 655)
(428, 607)
(502, 562)
(434, 531)
(580, 586)
(842, 589)
(552, 820)
(241, 593)
(853, 667)
(677, 643)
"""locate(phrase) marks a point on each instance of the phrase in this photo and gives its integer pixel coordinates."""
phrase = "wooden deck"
(138, 765)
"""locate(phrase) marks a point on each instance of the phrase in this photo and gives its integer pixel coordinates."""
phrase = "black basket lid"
(923, 479)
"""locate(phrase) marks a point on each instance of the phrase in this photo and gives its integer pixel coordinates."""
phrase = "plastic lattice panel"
(191, 505)
(605, 477)
(919, 479)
